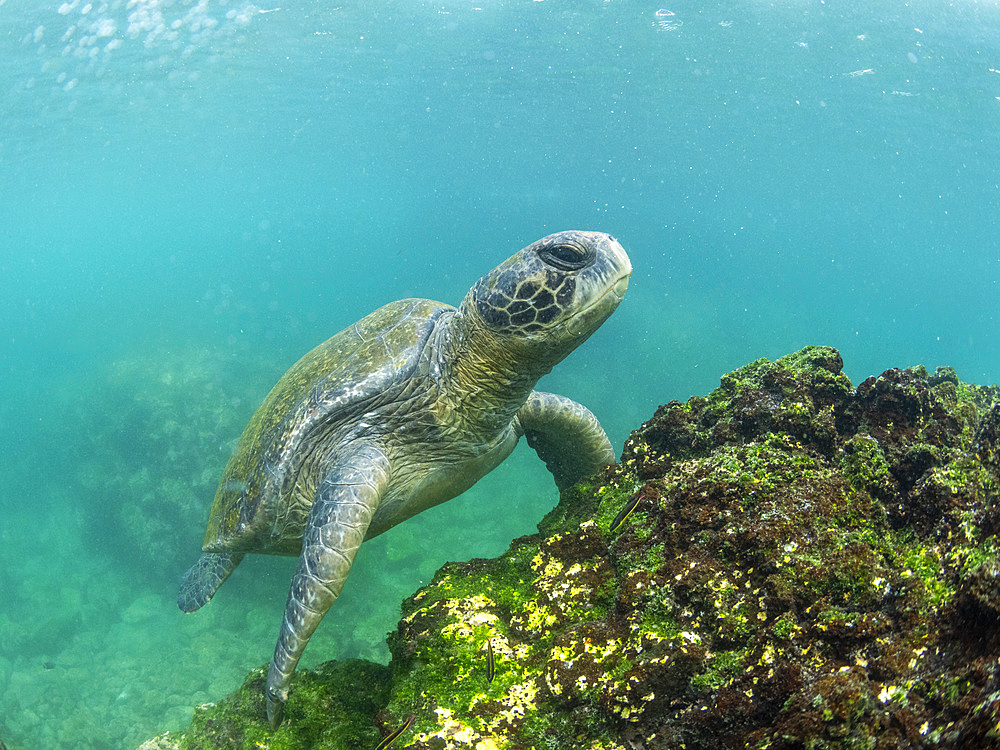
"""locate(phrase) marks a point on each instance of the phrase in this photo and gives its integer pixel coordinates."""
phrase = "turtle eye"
(567, 257)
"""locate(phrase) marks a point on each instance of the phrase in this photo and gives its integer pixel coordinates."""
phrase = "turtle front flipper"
(566, 436)
(203, 578)
(345, 502)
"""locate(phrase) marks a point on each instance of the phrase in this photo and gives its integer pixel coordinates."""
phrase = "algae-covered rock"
(789, 562)
(335, 708)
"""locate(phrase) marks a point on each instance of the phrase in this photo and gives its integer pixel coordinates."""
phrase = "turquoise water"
(193, 194)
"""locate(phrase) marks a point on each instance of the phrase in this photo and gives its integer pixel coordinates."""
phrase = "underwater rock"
(337, 707)
(806, 565)
(155, 431)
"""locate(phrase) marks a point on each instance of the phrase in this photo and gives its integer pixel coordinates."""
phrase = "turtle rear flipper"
(204, 578)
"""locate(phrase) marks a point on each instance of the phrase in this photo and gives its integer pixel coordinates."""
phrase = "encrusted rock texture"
(806, 564)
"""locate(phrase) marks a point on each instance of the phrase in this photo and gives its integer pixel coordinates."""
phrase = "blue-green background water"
(193, 194)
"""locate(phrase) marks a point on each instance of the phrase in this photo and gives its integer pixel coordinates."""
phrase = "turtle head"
(545, 300)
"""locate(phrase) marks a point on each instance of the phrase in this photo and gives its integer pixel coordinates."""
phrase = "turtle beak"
(618, 267)
(621, 285)
(620, 262)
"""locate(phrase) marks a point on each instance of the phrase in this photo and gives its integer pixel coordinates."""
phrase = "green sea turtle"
(405, 409)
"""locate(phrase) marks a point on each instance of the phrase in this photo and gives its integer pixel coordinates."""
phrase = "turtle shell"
(267, 488)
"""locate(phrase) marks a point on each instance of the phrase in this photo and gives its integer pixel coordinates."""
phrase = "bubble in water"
(171, 31)
(667, 19)
(104, 27)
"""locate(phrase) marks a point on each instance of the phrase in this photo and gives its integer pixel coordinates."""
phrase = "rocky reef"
(147, 442)
(789, 562)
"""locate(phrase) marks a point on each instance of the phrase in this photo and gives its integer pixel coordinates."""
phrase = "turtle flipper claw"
(275, 709)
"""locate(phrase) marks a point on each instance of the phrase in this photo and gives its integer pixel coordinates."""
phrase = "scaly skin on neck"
(487, 375)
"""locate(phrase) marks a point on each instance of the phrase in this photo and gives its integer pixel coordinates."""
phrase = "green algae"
(864, 463)
(721, 669)
(335, 708)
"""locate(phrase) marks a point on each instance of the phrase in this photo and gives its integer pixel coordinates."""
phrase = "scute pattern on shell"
(320, 393)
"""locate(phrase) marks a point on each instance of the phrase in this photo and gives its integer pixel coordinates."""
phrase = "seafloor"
(806, 565)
